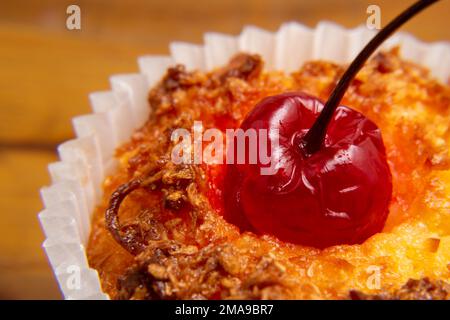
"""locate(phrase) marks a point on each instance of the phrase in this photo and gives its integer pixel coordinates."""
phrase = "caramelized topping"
(423, 289)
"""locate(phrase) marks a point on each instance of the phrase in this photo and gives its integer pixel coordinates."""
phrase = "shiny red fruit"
(338, 195)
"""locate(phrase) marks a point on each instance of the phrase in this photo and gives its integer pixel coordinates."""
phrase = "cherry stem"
(314, 138)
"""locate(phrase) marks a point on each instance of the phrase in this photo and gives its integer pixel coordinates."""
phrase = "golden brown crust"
(190, 252)
(423, 289)
(169, 270)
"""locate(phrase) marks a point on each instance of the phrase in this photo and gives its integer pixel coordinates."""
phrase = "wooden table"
(47, 72)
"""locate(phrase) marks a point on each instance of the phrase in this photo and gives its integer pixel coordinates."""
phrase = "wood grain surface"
(47, 71)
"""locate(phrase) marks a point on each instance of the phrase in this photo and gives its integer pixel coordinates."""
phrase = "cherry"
(337, 195)
(332, 183)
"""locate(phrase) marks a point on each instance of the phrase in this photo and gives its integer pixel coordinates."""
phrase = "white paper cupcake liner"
(86, 161)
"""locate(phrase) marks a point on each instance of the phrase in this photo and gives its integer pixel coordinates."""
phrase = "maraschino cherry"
(332, 183)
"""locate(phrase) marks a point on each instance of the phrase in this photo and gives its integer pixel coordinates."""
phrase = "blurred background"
(47, 71)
